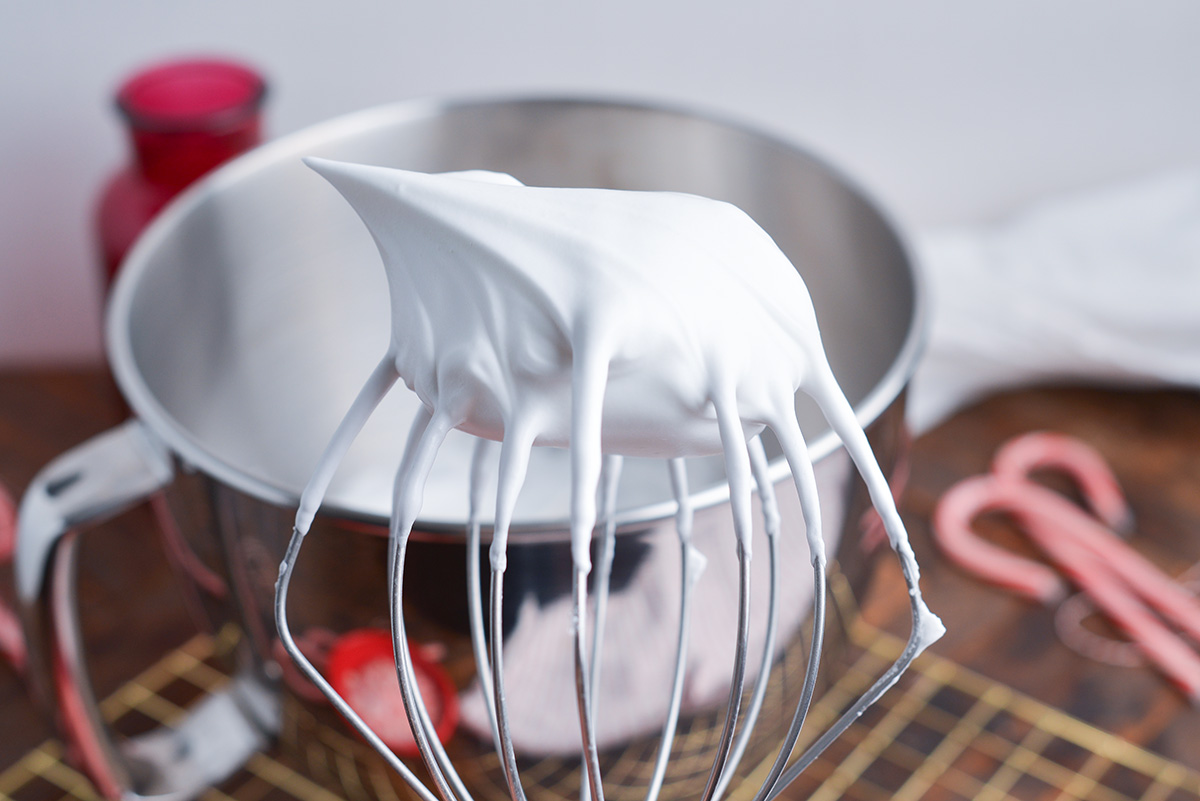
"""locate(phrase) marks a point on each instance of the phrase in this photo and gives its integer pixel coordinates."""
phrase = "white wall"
(949, 110)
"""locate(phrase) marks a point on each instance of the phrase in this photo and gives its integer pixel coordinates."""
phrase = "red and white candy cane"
(12, 639)
(1122, 583)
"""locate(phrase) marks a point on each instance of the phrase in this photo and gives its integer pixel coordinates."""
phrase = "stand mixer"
(235, 333)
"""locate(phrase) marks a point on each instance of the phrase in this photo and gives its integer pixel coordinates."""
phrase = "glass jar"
(184, 118)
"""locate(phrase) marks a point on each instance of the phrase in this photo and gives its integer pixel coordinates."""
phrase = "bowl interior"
(249, 315)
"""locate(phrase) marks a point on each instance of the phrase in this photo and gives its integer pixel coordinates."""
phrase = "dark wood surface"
(131, 613)
(1152, 440)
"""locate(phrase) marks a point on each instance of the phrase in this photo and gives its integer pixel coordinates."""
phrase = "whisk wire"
(736, 690)
(881, 685)
(583, 690)
(410, 484)
(771, 524)
(795, 451)
(514, 461)
(691, 565)
(610, 479)
(508, 756)
(382, 379)
(480, 479)
(773, 784)
(312, 674)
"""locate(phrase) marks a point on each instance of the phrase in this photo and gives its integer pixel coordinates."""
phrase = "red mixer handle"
(87, 485)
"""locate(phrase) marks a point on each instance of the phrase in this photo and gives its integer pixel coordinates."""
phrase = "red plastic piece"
(362, 669)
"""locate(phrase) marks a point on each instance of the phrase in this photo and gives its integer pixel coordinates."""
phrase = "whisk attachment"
(425, 437)
(566, 346)
(487, 641)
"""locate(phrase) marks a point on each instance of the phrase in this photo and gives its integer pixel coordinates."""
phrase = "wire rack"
(943, 733)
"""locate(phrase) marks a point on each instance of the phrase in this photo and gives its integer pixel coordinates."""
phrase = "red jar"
(184, 119)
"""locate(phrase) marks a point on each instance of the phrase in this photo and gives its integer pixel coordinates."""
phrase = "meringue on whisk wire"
(612, 324)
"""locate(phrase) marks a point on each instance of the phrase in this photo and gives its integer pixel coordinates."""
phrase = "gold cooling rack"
(943, 733)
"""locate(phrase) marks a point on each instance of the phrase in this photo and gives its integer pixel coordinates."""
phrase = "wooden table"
(1152, 440)
(124, 584)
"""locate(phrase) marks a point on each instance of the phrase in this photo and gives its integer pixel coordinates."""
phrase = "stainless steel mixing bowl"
(248, 315)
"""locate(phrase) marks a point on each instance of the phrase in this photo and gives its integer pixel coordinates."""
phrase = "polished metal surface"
(237, 332)
(95, 481)
(252, 311)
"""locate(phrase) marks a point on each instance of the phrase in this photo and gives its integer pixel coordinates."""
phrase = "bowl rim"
(192, 453)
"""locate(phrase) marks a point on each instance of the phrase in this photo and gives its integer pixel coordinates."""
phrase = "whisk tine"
(370, 395)
(583, 694)
(589, 377)
(881, 685)
(725, 746)
(692, 565)
(312, 674)
(926, 628)
(773, 784)
(514, 460)
(481, 477)
(738, 471)
(771, 523)
(795, 451)
(410, 483)
(610, 479)
(368, 398)
(508, 756)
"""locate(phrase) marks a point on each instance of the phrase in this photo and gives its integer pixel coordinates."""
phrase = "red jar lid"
(191, 94)
(362, 669)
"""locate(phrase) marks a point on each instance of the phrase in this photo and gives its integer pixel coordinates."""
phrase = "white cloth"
(1102, 286)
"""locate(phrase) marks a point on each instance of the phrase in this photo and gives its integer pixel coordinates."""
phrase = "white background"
(949, 111)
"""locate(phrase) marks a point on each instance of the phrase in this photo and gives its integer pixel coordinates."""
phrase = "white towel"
(1102, 286)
